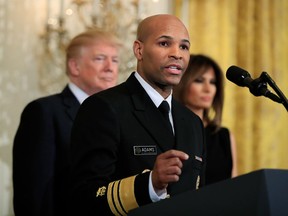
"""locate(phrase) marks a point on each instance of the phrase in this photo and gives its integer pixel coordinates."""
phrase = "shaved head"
(162, 51)
(156, 23)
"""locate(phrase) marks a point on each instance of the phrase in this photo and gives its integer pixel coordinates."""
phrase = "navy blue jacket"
(41, 155)
(117, 135)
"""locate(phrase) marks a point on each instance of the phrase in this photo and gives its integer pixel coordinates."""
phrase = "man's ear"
(73, 66)
(138, 49)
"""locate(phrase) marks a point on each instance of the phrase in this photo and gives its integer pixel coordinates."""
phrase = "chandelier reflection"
(75, 16)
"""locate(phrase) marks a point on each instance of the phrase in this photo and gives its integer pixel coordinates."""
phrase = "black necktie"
(164, 109)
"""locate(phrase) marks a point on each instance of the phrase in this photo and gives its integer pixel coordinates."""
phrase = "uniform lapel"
(149, 116)
(180, 126)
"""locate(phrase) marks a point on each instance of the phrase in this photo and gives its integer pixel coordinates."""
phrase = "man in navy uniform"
(124, 155)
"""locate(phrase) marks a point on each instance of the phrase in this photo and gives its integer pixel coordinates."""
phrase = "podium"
(259, 193)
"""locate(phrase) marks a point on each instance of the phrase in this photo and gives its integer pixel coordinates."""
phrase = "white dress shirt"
(157, 100)
(78, 93)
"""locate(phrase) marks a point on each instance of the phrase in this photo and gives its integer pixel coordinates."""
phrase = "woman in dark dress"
(201, 89)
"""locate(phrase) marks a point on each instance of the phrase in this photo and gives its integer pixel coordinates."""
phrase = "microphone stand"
(281, 97)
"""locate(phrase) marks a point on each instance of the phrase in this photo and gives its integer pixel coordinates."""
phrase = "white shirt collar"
(79, 93)
(153, 94)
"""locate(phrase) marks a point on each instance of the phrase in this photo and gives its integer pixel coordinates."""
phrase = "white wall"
(21, 22)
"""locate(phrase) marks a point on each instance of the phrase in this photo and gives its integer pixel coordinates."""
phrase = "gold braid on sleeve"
(121, 197)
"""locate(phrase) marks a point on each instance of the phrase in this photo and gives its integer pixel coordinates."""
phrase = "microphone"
(257, 86)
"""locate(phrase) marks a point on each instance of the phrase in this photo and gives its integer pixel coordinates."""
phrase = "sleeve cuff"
(155, 197)
(121, 197)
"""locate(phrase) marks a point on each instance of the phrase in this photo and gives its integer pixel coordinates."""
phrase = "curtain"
(253, 35)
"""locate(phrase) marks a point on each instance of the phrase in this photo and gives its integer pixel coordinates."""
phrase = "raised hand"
(167, 168)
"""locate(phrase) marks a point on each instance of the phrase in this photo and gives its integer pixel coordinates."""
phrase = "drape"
(253, 35)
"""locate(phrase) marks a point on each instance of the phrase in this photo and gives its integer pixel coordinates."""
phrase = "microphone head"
(237, 75)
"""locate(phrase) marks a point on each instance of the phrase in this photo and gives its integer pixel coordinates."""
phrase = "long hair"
(198, 65)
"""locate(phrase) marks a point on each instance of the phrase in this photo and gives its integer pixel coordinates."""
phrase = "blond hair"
(87, 38)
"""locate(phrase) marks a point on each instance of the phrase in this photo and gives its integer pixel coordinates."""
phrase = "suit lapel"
(70, 102)
(149, 116)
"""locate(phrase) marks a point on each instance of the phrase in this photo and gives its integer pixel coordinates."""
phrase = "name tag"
(145, 150)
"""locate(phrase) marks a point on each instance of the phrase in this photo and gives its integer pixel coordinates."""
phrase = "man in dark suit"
(41, 151)
(123, 154)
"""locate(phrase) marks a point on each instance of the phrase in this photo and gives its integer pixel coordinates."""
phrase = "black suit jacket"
(117, 134)
(41, 155)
